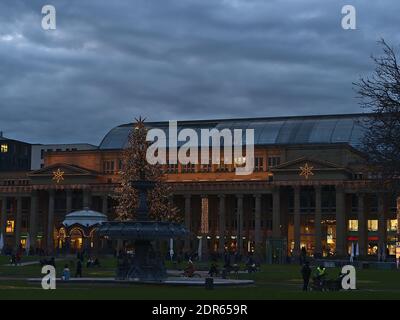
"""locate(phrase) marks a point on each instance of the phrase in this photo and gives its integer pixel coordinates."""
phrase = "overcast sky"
(111, 61)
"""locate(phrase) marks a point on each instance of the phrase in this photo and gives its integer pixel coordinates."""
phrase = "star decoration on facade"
(58, 175)
(306, 171)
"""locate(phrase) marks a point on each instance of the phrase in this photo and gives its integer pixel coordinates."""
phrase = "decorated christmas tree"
(135, 167)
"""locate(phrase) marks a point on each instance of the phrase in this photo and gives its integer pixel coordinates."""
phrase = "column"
(69, 201)
(296, 219)
(318, 217)
(239, 218)
(33, 219)
(105, 204)
(382, 227)
(221, 223)
(257, 220)
(87, 198)
(188, 223)
(276, 213)
(340, 222)
(204, 225)
(362, 226)
(18, 223)
(3, 221)
(50, 222)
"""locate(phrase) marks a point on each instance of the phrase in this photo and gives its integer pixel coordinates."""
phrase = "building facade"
(14, 155)
(310, 188)
(39, 151)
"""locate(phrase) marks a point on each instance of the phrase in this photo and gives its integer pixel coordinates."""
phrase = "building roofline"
(65, 144)
(13, 140)
(278, 118)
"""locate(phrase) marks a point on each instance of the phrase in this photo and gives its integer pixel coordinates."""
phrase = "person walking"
(78, 272)
(306, 274)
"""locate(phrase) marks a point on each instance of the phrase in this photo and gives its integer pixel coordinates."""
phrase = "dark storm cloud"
(110, 61)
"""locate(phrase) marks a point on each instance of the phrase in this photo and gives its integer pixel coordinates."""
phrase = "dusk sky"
(111, 61)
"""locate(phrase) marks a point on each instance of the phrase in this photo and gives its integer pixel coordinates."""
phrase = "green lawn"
(273, 282)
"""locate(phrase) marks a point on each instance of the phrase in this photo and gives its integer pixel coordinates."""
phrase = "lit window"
(274, 161)
(372, 225)
(239, 161)
(172, 168)
(392, 249)
(4, 148)
(10, 226)
(330, 235)
(392, 225)
(259, 164)
(108, 167)
(188, 168)
(353, 225)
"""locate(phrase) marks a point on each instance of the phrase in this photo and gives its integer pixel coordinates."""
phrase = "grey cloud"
(110, 61)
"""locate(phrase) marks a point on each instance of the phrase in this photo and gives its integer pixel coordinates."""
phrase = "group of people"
(91, 262)
(306, 272)
(229, 266)
(320, 279)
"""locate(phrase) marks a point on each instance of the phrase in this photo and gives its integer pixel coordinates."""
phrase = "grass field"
(273, 282)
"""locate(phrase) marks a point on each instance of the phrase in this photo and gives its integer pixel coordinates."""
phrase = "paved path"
(175, 281)
(28, 263)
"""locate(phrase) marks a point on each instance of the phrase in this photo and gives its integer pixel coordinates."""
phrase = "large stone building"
(39, 151)
(309, 189)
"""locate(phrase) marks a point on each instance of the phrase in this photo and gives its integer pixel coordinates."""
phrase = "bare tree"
(380, 94)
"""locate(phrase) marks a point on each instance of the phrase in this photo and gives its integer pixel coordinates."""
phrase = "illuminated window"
(353, 225)
(10, 226)
(392, 225)
(259, 164)
(223, 165)
(188, 168)
(392, 249)
(172, 168)
(372, 225)
(23, 243)
(4, 148)
(108, 167)
(239, 161)
(206, 167)
(330, 235)
(274, 161)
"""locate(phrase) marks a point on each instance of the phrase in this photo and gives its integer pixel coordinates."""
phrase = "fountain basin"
(142, 230)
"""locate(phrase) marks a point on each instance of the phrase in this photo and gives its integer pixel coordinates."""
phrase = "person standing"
(78, 272)
(66, 273)
(306, 274)
(303, 255)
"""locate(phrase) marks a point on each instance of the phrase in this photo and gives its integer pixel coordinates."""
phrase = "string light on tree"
(135, 164)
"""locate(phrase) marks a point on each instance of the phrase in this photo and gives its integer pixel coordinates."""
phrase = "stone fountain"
(146, 264)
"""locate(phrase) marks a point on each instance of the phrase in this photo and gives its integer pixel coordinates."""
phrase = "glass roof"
(267, 131)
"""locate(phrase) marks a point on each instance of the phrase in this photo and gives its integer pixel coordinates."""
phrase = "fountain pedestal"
(146, 264)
